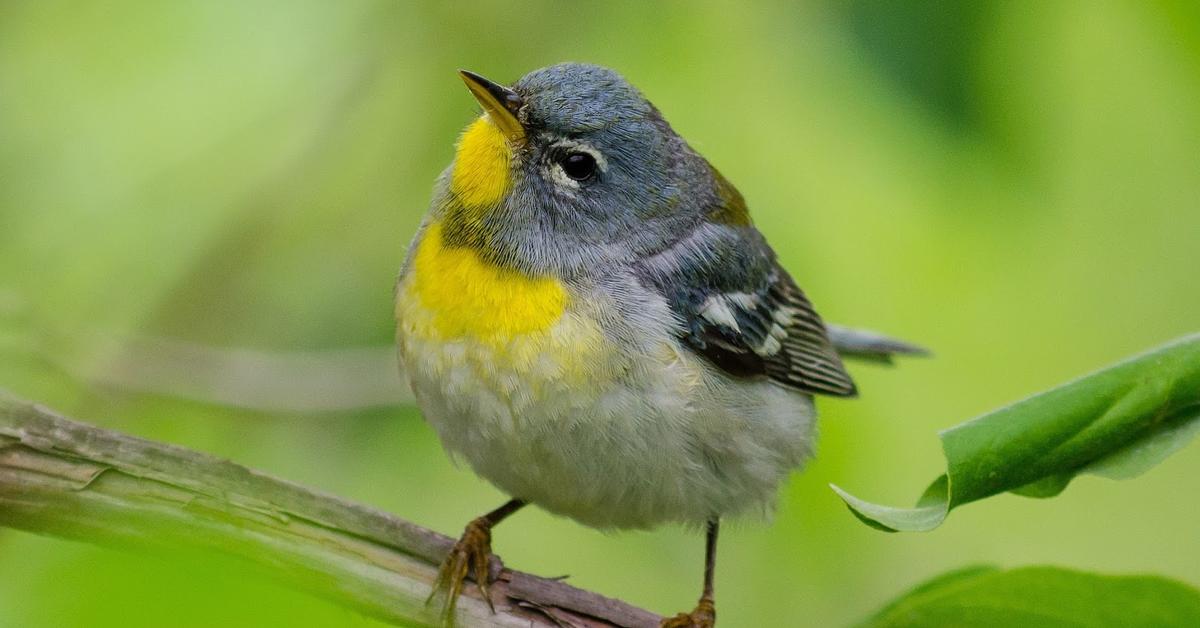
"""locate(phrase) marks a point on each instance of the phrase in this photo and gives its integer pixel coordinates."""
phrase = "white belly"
(568, 421)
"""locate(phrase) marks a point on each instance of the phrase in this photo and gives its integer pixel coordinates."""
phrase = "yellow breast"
(466, 297)
(457, 313)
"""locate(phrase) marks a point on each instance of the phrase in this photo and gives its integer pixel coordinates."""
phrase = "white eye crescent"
(576, 163)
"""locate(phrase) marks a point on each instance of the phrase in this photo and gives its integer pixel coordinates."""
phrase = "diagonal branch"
(65, 478)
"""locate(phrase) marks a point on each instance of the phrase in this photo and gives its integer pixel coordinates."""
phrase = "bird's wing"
(741, 310)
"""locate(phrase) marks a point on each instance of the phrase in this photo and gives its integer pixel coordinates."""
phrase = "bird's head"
(572, 166)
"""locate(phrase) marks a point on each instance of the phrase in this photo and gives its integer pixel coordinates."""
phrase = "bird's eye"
(578, 165)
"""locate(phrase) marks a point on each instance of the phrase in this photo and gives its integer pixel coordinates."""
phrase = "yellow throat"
(481, 166)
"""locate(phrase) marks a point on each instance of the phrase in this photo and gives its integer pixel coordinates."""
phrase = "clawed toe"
(704, 616)
(469, 556)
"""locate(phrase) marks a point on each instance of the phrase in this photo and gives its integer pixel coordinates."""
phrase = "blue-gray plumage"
(655, 195)
(590, 319)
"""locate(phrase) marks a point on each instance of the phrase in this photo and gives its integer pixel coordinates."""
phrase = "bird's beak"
(499, 102)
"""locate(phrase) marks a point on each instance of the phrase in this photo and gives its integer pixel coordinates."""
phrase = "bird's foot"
(705, 616)
(470, 555)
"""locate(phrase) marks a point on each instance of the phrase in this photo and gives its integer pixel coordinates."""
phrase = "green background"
(1013, 184)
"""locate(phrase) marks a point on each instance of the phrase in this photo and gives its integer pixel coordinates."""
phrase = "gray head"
(572, 167)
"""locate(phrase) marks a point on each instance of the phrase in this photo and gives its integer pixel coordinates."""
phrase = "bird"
(588, 317)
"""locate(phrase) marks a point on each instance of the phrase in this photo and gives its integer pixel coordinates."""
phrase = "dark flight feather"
(744, 313)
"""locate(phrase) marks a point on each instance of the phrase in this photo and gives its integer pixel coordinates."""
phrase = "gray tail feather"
(861, 344)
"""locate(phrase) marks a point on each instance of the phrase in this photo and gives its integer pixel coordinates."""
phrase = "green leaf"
(1042, 597)
(1116, 423)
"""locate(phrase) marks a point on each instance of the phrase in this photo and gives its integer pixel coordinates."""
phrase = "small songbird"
(589, 318)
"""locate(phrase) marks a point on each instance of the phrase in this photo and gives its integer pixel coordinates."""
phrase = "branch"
(68, 479)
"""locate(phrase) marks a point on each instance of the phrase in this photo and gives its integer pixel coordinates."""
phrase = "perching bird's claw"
(470, 555)
(704, 616)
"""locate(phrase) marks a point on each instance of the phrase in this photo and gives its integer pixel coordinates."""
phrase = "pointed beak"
(499, 102)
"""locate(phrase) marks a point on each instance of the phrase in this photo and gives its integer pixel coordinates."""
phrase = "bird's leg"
(470, 555)
(705, 614)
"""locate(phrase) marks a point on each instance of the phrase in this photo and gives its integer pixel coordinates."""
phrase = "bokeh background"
(1014, 184)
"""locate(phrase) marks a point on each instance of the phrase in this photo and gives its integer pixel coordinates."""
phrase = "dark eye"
(578, 166)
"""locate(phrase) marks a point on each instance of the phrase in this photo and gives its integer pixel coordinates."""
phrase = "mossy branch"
(68, 479)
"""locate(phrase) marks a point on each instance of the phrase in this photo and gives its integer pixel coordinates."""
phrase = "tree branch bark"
(65, 478)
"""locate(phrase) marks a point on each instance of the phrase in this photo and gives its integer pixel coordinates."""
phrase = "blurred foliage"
(1015, 185)
(1042, 597)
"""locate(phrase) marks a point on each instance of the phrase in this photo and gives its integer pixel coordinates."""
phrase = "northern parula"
(589, 318)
